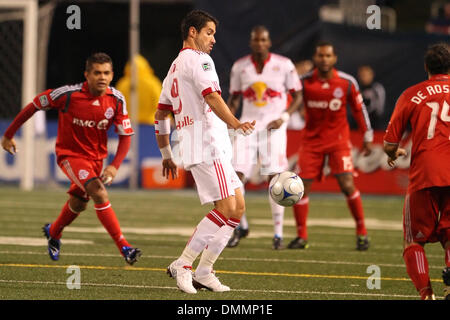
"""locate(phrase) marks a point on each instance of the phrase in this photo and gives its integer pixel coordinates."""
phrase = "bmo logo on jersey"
(334, 104)
(101, 125)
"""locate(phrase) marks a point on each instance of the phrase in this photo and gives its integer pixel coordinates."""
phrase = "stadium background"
(395, 55)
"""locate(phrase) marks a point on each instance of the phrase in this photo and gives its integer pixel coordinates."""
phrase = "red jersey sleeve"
(360, 113)
(398, 122)
(49, 99)
(121, 121)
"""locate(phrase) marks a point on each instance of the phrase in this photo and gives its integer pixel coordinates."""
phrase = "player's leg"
(204, 276)
(214, 183)
(341, 166)
(420, 218)
(309, 167)
(242, 230)
(443, 231)
(107, 216)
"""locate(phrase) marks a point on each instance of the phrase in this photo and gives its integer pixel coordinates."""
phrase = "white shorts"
(215, 181)
(269, 146)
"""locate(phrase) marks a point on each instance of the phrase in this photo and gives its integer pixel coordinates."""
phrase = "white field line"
(115, 285)
(36, 242)
(309, 261)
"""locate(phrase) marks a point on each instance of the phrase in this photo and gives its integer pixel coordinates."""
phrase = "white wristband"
(162, 127)
(368, 136)
(166, 152)
(285, 116)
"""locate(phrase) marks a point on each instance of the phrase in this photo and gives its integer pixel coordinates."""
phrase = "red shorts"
(426, 215)
(311, 163)
(80, 171)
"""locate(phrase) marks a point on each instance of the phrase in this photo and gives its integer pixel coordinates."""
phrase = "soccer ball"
(286, 188)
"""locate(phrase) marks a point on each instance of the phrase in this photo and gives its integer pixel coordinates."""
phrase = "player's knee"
(77, 205)
(97, 191)
(407, 244)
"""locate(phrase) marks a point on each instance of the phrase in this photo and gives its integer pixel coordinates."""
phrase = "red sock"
(417, 268)
(107, 216)
(355, 205)
(64, 219)
(301, 209)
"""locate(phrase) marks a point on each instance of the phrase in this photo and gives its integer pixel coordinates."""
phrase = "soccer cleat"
(183, 276)
(54, 245)
(277, 243)
(430, 297)
(362, 243)
(236, 237)
(130, 254)
(446, 278)
(210, 282)
(298, 243)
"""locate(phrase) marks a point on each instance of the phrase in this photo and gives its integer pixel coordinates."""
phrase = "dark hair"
(324, 43)
(260, 28)
(98, 57)
(437, 59)
(197, 19)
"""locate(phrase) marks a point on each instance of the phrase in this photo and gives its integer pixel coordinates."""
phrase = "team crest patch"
(83, 174)
(338, 93)
(206, 66)
(109, 113)
(43, 100)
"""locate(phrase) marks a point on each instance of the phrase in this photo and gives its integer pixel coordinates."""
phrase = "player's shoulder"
(348, 77)
(192, 54)
(280, 58)
(117, 94)
(63, 90)
(242, 61)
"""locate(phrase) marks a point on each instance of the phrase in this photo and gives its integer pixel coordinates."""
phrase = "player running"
(191, 91)
(86, 111)
(426, 211)
(263, 80)
(326, 94)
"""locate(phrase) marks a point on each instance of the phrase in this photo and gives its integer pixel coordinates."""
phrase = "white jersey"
(202, 135)
(264, 94)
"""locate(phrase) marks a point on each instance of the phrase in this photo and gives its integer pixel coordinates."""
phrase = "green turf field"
(160, 223)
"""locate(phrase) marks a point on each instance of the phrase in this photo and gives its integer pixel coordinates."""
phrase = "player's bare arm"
(9, 145)
(233, 102)
(219, 107)
(297, 100)
(163, 140)
(393, 152)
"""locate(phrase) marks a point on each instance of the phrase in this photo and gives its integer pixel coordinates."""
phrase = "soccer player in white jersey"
(191, 91)
(263, 80)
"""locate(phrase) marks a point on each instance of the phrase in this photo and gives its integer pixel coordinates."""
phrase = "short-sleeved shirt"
(264, 94)
(84, 119)
(202, 134)
(425, 106)
(326, 102)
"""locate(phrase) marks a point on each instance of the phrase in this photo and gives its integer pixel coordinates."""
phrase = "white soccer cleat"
(210, 282)
(183, 275)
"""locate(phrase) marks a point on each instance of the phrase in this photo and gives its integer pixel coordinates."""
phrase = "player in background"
(426, 211)
(326, 94)
(191, 91)
(86, 111)
(263, 80)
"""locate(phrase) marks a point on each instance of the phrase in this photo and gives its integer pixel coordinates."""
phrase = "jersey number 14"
(434, 112)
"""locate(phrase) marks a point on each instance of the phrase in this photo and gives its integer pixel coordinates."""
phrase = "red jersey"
(84, 119)
(426, 107)
(326, 103)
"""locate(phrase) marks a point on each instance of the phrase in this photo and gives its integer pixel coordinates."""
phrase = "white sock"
(277, 217)
(202, 235)
(213, 251)
(244, 223)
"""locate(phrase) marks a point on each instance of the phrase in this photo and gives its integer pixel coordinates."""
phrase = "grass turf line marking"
(224, 259)
(248, 273)
(234, 290)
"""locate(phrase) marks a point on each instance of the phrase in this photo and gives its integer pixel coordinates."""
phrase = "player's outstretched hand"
(169, 167)
(9, 145)
(246, 128)
(108, 175)
(400, 152)
(366, 149)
